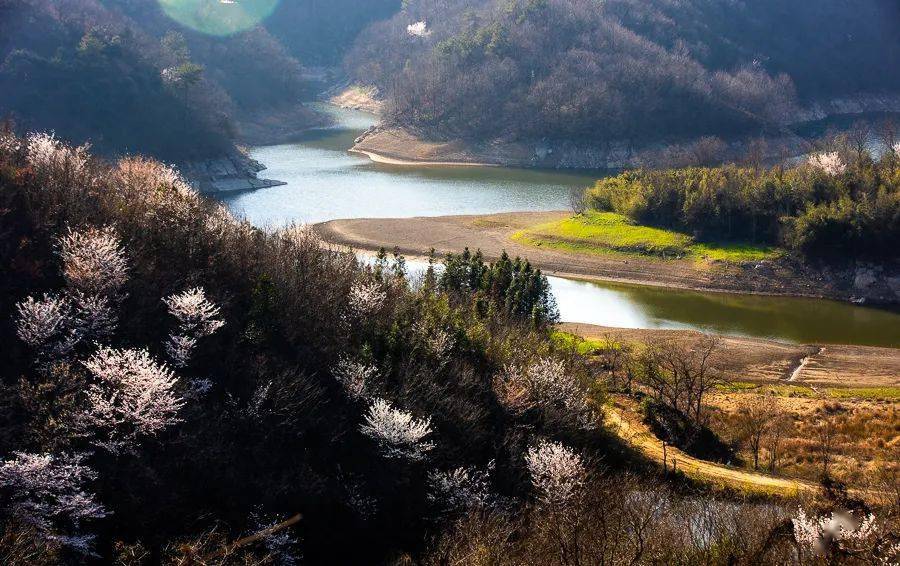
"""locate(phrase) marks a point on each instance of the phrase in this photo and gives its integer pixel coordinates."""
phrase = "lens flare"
(218, 17)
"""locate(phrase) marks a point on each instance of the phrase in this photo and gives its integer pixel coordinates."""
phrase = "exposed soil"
(768, 361)
(491, 233)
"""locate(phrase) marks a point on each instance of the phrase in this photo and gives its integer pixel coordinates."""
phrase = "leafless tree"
(759, 418)
(826, 441)
(681, 373)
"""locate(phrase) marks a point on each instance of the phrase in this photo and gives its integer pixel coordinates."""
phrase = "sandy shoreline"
(380, 158)
(491, 234)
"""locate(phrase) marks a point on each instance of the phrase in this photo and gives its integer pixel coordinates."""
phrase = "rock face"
(235, 172)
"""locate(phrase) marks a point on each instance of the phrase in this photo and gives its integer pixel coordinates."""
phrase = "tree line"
(623, 71)
(841, 202)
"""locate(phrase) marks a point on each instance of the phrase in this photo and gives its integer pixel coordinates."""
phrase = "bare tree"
(680, 373)
(763, 425)
(858, 138)
(778, 430)
(826, 441)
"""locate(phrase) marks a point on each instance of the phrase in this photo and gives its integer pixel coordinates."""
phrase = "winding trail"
(623, 420)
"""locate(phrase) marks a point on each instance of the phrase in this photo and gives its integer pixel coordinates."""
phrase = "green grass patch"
(583, 346)
(779, 389)
(870, 393)
(737, 387)
(608, 232)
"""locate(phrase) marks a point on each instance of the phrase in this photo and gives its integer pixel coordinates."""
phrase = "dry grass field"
(842, 406)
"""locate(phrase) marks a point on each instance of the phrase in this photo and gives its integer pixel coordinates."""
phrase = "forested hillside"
(624, 70)
(175, 379)
(130, 78)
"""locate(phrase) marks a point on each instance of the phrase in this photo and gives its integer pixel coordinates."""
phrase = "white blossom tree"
(197, 318)
(548, 384)
(49, 156)
(462, 487)
(43, 324)
(131, 397)
(94, 261)
(557, 473)
(365, 298)
(354, 377)
(93, 316)
(842, 532)
(418, 29)
(829, 162)
(47, 492)
(399, 434)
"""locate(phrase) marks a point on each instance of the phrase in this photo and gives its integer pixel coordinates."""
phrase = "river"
(324, 182)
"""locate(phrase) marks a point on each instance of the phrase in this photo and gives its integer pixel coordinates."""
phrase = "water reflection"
(789, 319)
(325, 182)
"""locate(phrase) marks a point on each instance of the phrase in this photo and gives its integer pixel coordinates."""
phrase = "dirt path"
(491, 233)
(622, 419)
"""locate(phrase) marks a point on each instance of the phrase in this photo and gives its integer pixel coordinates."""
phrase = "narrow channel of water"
(325, 182)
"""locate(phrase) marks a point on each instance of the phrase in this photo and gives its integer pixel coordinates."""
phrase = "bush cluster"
(843, 209)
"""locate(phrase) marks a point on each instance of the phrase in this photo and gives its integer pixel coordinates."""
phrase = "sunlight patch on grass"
(608, 232)
(869, 393)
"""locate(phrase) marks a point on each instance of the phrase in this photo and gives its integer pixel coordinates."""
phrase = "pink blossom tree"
(842, 532)
(546, 383)
(130, 398)
(94, 261)
(43, 324)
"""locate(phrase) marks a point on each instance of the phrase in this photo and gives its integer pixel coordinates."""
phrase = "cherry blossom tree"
(418, 29)
(400, 435)
(462, 487)
(131, 397)
(49, 156)
(354, 377)
(829, 162)
(47, 492)
(197, 318)
(44, 324)
(548, 384)
(94, 261)
(841, 532)
(557, 473)
(365, 298)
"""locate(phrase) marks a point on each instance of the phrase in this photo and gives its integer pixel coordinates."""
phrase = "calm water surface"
(325, 182)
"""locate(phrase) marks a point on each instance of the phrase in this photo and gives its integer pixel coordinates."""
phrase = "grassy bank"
(607, 232)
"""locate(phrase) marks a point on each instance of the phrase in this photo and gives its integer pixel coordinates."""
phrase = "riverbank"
(493, 233)
(765, 362)
(405, 147)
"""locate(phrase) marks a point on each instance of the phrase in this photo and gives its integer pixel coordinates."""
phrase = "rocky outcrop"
(235, 172)
(860, 104)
